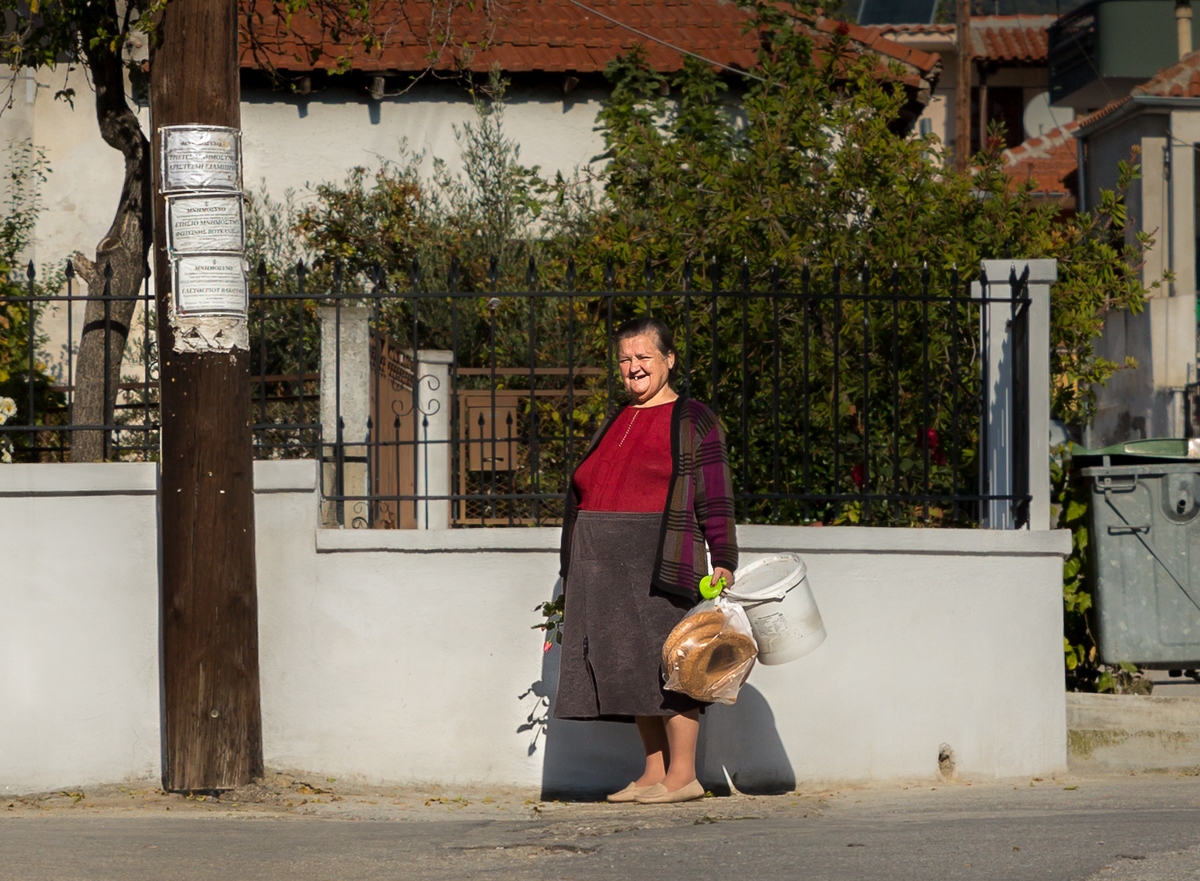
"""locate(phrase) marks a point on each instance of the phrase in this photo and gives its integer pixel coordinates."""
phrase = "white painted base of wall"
(406, 655)
(409, 656)
(79, 684)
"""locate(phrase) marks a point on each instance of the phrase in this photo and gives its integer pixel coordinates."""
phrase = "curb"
(1124, 733)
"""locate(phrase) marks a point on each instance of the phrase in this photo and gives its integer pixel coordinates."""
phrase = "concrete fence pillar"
(432, 404)
(345, 395)
(999, 373)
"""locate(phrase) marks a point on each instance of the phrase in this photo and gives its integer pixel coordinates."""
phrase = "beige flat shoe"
(659, 795)
(629, 793)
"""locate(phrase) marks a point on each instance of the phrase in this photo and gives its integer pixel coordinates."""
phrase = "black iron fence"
(40, 332)
(847, 396)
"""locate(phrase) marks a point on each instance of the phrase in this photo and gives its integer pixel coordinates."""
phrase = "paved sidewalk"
(1166, 685)
(1134, 828)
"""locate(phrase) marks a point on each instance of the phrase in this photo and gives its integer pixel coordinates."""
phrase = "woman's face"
(644, 369)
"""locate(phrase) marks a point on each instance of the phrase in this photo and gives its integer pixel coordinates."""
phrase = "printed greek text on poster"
(204, 224)
(210, 284)
(201, 157)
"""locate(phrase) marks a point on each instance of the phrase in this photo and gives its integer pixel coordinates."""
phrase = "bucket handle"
(773, 596)
(778, 594)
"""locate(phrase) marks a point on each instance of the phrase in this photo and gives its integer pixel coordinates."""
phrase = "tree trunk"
(120, 265)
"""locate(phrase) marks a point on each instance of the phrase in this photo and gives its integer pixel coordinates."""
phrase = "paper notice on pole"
(201, 157)
(210, 284)
(204, 224)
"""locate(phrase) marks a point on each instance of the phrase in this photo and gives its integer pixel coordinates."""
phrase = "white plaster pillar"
(432, 404)
(1173, 339)
(1042, 274)
(345, 394)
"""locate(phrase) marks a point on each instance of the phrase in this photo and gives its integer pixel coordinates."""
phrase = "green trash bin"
(1144, 554)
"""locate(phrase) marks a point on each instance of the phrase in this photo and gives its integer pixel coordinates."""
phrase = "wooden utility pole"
(962, 92)
(212, 717)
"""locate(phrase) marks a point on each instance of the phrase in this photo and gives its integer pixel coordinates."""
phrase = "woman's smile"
(645, 371)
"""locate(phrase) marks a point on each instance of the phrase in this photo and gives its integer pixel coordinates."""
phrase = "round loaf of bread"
(692, 629)
(707, 671)
(705, 656)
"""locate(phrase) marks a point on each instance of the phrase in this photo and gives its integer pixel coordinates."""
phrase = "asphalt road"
(1144, 828)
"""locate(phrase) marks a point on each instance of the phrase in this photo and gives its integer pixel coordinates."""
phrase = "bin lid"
(1154, 449)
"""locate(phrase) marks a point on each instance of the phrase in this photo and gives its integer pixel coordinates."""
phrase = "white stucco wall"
(408, 656)
(293, 141)
(290, 142)
(1125, 405)
(79, 698)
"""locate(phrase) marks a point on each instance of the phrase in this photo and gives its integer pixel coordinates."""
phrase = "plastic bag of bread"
(710, 652)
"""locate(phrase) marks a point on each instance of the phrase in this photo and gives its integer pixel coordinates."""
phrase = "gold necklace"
(621, 442)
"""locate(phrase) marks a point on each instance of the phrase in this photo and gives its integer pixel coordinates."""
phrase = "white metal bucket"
(783, 614)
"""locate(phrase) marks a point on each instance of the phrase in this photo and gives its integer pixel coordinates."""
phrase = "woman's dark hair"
(648, 326)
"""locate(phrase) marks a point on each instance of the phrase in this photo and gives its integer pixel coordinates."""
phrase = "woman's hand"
(718, 573)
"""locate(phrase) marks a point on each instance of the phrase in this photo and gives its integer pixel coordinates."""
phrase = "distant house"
(1156, 124)
(1010, 81)
(1161, 119)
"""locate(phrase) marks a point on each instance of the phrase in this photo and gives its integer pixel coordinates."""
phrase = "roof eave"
(1152, 104)
(1168, 101)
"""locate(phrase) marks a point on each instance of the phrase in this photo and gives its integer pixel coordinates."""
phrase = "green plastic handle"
(708, 590)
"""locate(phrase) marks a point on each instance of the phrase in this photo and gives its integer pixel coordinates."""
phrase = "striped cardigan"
(699, 503)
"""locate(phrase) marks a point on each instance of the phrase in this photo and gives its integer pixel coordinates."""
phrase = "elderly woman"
(653, 489)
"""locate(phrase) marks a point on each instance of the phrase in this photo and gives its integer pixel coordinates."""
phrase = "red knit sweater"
(630, 471)
(699, 509)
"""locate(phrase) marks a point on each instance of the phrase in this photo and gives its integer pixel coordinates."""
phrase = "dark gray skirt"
(615, 623)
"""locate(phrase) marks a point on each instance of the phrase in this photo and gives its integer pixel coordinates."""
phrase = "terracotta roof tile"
(1011, 38)
(1050, 161)
(887, 29)
(822, 31)
(1108, 109)
(1180, 80)
(551, 35)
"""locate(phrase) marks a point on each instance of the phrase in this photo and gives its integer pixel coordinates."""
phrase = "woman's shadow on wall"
(586, 760)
